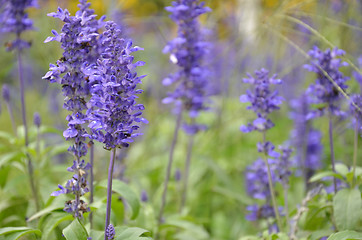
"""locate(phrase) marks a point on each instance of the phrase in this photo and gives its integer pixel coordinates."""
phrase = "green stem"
(271, 187)
(355, 149)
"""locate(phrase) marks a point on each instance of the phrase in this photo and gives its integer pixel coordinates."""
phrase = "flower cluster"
(79, 41)
(324, 91)
(77, 186)
(188, 51)
(262, 99)
(284, 165)
(14, 19)
(115, 115)
(110, 232)
(256, 179)
(257, 186)
(260, 212)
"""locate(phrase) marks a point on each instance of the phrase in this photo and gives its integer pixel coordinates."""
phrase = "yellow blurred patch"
(128, 4)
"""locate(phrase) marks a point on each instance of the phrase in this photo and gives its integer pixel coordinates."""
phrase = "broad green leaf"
(5, 158)
(52, 221)
(316, 235)
(97, 235)
(44, 212)
(324, 174)
(75, 231)
(346, 235)
(6, 135)
(199, 232)
(127, 193)
(132, 233)
(347, 209)
(341, 168)
(8, 230)
(18, 235)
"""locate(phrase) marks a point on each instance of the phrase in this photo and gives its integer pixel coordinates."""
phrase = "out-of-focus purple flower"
(314, 150)
(79, 41)
(329, 184)
(188, 51)
(110, 232)
(178, 175)
(284, 165)
(256, 179)
(268, 149)
(324, 91)
(6, 93)
(115, 115)
(261, 212)
(262, 99)
(14, 19)
(144, 196)
(356, 113)
(356, 74)
(37, 120)
(305, 138)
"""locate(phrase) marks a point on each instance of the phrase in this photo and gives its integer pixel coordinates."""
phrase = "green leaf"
(346, 235)
(53, 221)
(198, 231)
(8, 230)
(127, 193)
(316, 235)
(97, 235)
(75, 230)
(132, 233)
(18, 235)
(324, 174)
(44, 212)
(13, 233)
(341, 168)
(347, 209)
(5, 158)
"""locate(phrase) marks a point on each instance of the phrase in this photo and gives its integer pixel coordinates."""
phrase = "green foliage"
(14, 233)
(75, 230)
(126, 193)
(347, 209)
(346, 235)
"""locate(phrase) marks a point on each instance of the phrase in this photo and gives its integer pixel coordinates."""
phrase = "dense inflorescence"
(256, 179)
(324, 91)
(6, 93)
(110, 232)
(115, 115)
(37, 120)
(79, 41)
(262, 174)
(262, 99)
(14, 19)
(188, 51)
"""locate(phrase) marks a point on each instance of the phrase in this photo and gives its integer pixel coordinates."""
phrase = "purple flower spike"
(324, 91)
(115, 114)
(110, 232)
(262, 99)
(37, 120)
(188, 50)
(14, 19)
(6, 93)
(79, 40)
